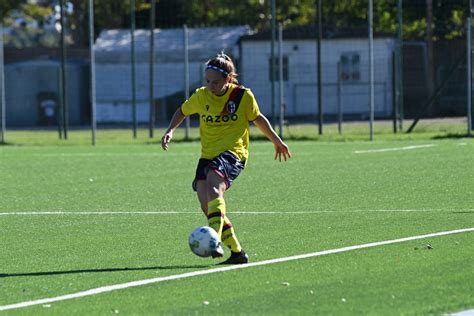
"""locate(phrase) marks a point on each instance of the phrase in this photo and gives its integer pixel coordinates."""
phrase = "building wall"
(114, 88)
(25, 81)
(300, 90)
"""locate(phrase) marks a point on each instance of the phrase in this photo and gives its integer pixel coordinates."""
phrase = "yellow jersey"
(222, 127)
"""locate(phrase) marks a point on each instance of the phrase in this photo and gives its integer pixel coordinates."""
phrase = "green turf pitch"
(327, 197)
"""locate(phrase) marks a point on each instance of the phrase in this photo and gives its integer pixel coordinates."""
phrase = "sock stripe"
(226, 227)
(215, 214)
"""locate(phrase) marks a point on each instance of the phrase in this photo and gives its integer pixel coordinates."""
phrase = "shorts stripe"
(219, 173)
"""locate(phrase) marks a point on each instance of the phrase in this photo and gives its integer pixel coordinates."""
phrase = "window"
(350, 66)
(277, 68)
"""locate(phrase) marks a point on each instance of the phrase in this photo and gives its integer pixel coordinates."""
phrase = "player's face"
(216, 83)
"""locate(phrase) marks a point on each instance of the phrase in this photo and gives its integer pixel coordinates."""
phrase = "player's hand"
(281, 150)
(166, 139)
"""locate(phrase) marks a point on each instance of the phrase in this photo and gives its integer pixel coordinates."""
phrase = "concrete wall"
(114, 88)
(25, 81)
(301, 88)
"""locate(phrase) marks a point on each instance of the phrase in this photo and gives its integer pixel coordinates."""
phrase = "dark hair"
(225, 63)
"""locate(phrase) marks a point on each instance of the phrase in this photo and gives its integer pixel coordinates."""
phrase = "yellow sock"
(228, 236)
(216, 214)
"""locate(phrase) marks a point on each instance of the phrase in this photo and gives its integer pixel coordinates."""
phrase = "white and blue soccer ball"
(203, 241)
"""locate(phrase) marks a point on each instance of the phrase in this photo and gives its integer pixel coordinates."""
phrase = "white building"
(113, 67)
(349, 48)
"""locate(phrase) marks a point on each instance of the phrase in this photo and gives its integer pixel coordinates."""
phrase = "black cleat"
(237, 258)
(218, 253)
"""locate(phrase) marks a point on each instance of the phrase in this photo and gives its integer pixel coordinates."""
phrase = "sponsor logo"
(219, 118)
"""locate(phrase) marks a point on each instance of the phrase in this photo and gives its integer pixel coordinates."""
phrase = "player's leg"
(201, 191)
(223, 170)
(200, 187)
(215, 188)
(199, 183)
(228, 236)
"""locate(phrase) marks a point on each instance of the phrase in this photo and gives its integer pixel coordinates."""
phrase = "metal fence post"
(60, 115)
(186, 78)
(65, 112)
(2, 86)
(132, 61)
(152, 69)
(281, 77)
(319, 70)
(272, 60)
(469, 75)
(92, 54)
(371, 68)
(399, 64)
(339, 97)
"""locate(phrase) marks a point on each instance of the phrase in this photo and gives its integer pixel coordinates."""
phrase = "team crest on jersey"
(231, 108)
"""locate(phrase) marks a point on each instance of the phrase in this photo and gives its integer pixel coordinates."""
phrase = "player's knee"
(215, 186)
(212, 192)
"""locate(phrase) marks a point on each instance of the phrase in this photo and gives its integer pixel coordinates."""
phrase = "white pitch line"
(121, 286)
(94, 213)
(144, 154)
(354, 211)
(237, 212)
(160, 154)
(381, 150)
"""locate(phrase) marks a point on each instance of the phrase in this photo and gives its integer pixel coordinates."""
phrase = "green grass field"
(447, 128)
(121, 212)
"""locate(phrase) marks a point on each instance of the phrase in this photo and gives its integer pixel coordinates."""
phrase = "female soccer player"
(225, 110)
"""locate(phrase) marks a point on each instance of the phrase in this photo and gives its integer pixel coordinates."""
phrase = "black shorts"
(227, 165)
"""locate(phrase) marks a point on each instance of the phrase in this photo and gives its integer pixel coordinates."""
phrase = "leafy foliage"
(448, 16)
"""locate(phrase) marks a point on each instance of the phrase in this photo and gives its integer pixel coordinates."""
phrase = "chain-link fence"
(306, 61)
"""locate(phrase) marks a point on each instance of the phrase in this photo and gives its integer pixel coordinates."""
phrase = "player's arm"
(281, 149)
(178, 118)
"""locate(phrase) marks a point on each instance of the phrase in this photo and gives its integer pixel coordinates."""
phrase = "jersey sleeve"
(252, 111)
(191, 105)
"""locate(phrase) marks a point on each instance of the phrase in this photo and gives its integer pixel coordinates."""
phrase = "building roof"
(310, 32)
(114, 46)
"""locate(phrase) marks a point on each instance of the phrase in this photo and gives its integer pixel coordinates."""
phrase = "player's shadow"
(452, 136)
(47, 273)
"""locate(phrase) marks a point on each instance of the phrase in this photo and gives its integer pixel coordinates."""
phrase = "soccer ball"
(203, 241)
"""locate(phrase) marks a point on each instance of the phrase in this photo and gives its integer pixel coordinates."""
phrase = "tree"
(7, 5)
(448, 16)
